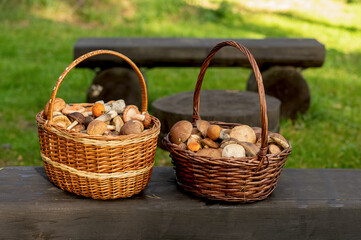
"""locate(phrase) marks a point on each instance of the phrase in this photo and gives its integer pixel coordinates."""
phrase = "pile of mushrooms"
(213, 141)
(112, 118)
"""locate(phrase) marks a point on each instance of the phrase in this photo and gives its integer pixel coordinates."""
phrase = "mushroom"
(210, 152)
(194, 138)
(71, 109)
(233, 151)
(195, 131)
(98, 109)
(180, 131)
(213, 132)
(225, 134)
(118, 123)
(209, 142)
(88, 120)
(243, 133)
(202, 126)
(250, 148)
(59, 104)
(131, 112)
(78, 128)
(182, 146)
(107, 116)
(61, 120)
(76, 117)
(279, 139)
(194, 146)
(273, 149)
(117, 106)
(228, 141)
(132, 127)
(96, 127)
(258, 132)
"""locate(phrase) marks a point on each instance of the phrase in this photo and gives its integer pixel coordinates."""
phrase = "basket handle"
(196, 97)
(94, 53)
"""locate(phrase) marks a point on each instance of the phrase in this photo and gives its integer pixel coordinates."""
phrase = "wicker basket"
(101, 167)
(245, 179)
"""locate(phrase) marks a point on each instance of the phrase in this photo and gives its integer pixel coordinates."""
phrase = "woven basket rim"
(224, 161)
(155, 127)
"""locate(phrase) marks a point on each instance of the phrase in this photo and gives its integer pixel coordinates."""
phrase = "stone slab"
(231, 106)
(307, 204)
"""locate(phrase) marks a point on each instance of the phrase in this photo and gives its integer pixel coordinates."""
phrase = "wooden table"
(307, 204)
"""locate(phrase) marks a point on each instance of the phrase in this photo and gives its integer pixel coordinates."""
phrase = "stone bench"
(279, 60)
(307, 204)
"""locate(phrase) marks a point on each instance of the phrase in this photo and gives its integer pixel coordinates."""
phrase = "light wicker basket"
(100, 167)
(245, 179)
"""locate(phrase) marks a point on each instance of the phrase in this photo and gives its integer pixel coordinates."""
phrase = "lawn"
(37, 39)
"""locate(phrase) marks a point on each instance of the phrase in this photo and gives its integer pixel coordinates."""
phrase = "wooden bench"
(280, 61)
(307, 204)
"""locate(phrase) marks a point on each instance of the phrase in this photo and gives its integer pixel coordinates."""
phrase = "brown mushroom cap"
(182, 146)
(251, 148)
(210, 143)
(243, 133)
(195, 131)
(273, 149)
(70, 109)
(88, 120)
(147, 120)
(180, 131)
(258, 132)
(129, 112)
(77, 116)
(61, 120)
(213, 132)
(59, 104)
(78, 128)
(279, 139)
(210, 152)
(202, 126)
(96, 127)
(131, 127)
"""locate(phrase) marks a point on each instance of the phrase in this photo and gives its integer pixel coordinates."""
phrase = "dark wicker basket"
(101, 167)
(245, 179)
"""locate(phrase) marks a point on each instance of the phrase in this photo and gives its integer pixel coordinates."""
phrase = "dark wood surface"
(190, 52)
(307, 204)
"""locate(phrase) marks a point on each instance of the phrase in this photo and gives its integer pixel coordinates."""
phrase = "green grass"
(37, 39)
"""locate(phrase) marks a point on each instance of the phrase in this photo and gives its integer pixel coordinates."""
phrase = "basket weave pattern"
(101, 167)
(245, 179)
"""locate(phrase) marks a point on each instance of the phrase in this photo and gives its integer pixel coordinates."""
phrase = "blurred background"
(37, 39)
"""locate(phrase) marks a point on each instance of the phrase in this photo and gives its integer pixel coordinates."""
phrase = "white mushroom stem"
(87, 114)
(73, 124)
(110, 127)
(139, 117)
(107, 116)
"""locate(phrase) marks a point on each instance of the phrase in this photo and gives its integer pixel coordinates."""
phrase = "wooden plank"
(190, 52)
(307, 204)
